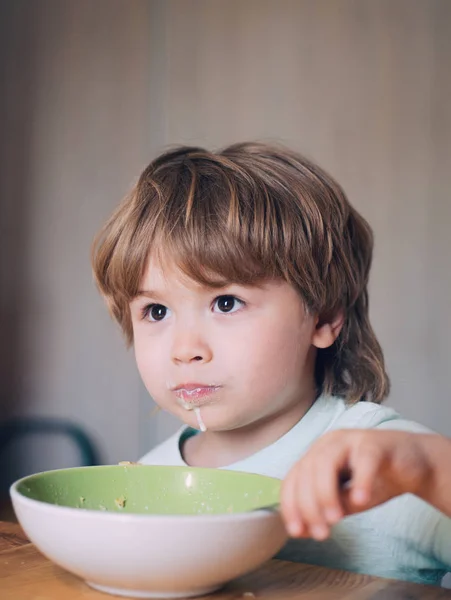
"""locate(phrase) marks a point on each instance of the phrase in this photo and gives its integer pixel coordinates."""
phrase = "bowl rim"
(89, 514)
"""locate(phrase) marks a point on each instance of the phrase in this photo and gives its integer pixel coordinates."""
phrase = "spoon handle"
(344, 482)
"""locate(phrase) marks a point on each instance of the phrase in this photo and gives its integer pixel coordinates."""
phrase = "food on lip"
(192, 392)
(185, 405)
(190, 406)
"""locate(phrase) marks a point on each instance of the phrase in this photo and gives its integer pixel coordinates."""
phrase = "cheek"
(148, 360)
(277, 354)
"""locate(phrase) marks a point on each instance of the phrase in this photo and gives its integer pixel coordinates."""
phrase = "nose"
(190, 346)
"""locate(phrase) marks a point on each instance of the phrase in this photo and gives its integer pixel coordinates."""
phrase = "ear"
(326, 332)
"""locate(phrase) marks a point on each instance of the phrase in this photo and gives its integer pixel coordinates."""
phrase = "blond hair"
(247, 213)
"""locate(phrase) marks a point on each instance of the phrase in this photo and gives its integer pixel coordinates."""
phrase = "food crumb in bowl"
(82, 500)
(102, 507)
(127, 463)
(120, 502)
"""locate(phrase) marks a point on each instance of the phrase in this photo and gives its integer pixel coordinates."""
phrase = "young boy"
(241, 279)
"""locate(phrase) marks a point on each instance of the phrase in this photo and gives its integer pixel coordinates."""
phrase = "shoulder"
(367, 415)
(166, 453)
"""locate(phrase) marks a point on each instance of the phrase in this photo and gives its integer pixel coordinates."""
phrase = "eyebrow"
(148, 294)
(158, 296)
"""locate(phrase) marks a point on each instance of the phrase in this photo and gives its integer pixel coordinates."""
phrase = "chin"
(213, 420)
(222, 426)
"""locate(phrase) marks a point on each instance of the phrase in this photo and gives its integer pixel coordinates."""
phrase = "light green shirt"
(402, 539)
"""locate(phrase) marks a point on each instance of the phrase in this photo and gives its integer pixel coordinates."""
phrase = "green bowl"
(152, 490)
(150, 531)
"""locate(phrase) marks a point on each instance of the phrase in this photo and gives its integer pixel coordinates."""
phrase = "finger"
(308, 504)
(366, 465)
(328, 487)
(290, 513)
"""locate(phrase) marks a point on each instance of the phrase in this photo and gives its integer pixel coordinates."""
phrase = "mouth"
(193, 395)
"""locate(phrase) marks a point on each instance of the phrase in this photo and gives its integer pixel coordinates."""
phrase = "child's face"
(240, 353)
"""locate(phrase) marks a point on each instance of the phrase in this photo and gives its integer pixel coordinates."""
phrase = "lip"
(195, 393)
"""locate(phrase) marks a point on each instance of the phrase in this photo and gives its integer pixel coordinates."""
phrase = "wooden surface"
(27, 575)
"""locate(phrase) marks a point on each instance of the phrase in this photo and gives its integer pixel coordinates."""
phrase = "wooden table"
(25, 574)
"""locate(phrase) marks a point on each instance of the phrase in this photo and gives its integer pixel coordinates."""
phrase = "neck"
(221, 448)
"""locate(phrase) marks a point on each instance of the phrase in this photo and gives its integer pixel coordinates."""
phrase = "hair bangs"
(210, 231)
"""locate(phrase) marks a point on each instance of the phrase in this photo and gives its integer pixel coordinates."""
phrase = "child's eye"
(227, 304)
(155, 312)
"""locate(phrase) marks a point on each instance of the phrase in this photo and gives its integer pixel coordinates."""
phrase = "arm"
(380, 465)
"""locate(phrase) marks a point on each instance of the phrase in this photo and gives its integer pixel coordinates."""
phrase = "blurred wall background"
(92, 90)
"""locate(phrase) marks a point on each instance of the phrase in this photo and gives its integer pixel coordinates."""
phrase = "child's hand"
(379, 464)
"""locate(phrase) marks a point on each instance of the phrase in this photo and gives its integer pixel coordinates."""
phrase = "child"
(381, 464)
(241, 279)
